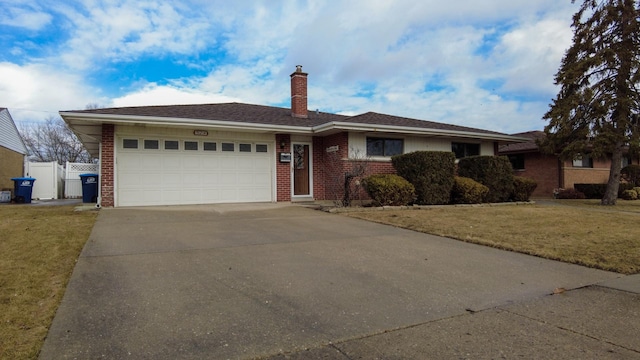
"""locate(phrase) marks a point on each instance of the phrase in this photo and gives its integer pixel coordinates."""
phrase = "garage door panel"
(191, 180)
(172, 162)
(129, 162)
(173, 177)
(150, 162)
(228, 163)
(228, 195)
(210, 163)
(131, 179)
(259, 165)
(171, 196)
(245, 163)
(192, 163)
(245, 181)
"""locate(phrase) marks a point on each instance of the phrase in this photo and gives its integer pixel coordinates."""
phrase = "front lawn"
(606, 238)
(38, 249)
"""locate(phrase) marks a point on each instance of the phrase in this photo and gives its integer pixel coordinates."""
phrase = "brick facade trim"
(107, 166)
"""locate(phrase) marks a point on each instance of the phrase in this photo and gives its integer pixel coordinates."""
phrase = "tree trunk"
(611, 194)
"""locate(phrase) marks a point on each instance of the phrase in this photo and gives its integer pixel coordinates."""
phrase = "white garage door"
(152, 171)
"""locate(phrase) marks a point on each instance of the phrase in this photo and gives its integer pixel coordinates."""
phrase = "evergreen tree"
(596, 111)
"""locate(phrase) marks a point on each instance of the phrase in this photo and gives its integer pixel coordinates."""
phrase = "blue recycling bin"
(22, 189)
(89, 188)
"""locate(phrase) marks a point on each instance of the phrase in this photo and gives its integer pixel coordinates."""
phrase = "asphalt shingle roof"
(269, 115)
(384, 119)
(236, 112)
(524, 146)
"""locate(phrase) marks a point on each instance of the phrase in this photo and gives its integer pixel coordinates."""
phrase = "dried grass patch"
(607, 240)
(39, 247)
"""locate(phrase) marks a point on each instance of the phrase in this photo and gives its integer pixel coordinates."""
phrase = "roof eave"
(416, 131)
(183, 122)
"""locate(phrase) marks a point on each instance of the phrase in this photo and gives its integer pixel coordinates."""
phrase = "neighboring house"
(549, 171)
(12, 151)
(233, 152)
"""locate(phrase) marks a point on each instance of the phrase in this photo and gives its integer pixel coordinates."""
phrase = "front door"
(301, 168)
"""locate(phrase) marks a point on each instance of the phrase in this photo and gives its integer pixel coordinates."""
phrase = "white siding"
(9, 135)
(358, 143)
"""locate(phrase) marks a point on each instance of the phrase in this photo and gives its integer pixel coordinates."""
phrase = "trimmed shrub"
(389, 190)
(430, 172)
(569, 194)
(591, 191)
(631, 174)
(467, 191)
(629, 195)
(637, 189)
(523, 188)
(494, 172)
(624, 187)
(596, 191)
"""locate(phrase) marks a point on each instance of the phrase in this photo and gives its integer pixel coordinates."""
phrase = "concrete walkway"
(285, 282)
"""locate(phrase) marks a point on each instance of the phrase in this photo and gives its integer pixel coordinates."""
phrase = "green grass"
(39, 247)
(606, 238)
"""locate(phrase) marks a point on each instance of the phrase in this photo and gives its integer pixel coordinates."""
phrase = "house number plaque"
(200, 132)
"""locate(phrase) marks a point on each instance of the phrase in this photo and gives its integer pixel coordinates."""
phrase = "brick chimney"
(299, 93)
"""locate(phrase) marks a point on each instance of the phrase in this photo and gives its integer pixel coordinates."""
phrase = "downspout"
(560, 174)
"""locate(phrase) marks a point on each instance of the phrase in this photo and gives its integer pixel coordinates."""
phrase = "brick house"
(549, 171)
(235, 152)
(12, 151)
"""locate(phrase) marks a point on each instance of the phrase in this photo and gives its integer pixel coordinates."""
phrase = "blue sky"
(486, 64)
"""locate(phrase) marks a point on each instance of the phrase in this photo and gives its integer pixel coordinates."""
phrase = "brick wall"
(12, 166)
(106, 166)
(330, 168)
(599, 174)
(544, 169)
(319, 171)
(283, 170)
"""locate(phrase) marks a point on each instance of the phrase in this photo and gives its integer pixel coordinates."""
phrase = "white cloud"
(26, 16)
(153, 94)
(532, 55)
(124, 31)
(33, 92)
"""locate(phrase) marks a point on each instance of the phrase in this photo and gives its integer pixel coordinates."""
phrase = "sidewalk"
(601, 321)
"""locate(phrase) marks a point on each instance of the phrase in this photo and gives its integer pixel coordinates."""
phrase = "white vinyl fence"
(49, 179)
(55, 182)
(72, 183)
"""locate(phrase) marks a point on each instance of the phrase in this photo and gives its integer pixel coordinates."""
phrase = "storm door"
(301, 168)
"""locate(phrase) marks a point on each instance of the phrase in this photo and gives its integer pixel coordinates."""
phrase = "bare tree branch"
(53, 140)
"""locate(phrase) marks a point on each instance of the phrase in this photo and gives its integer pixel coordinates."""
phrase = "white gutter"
(164, 121)
(413, 130)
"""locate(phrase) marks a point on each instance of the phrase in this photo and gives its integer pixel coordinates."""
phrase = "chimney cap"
(298, 68)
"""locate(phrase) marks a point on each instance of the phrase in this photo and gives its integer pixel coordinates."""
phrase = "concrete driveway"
(282, 281)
